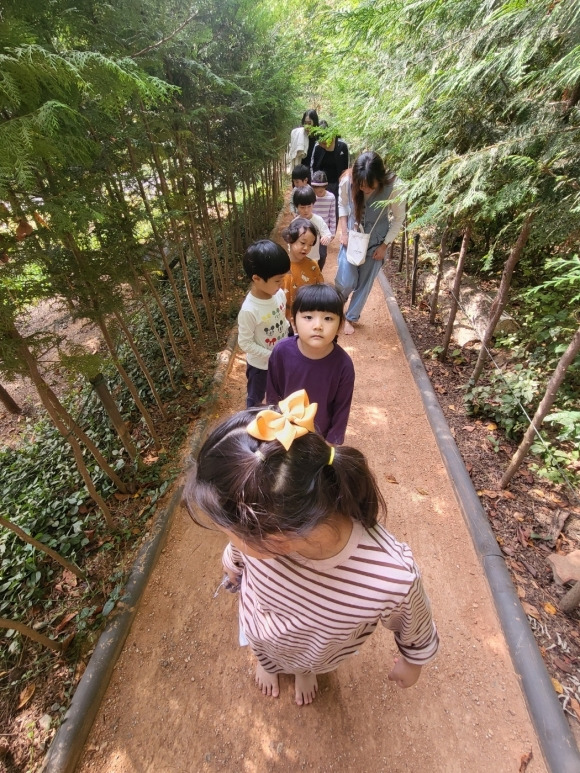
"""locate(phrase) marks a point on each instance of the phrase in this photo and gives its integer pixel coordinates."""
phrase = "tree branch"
(168, 37)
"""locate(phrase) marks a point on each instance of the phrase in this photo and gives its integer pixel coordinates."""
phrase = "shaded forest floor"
(523, 517)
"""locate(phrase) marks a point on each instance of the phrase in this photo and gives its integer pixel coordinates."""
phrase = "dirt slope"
(182, 698)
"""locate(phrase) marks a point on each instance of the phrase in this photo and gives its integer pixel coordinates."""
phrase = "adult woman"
(302, 142)
(331, 157)
(367, 196)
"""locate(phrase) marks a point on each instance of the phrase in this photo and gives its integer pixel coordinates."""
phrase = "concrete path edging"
(555, 737)
(68, 743)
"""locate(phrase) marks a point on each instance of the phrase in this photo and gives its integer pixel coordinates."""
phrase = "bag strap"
(384, 209)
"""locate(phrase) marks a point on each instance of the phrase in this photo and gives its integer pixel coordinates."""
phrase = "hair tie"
(296, 418)
(259, 455)
(331, 460)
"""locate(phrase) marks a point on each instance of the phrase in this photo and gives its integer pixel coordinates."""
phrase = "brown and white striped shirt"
(302, 615)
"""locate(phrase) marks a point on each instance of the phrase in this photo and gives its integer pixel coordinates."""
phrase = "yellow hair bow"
(296, 419)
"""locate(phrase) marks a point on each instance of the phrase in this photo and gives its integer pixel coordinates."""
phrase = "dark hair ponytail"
(257, 489)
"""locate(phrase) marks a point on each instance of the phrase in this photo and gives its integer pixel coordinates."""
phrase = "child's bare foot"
(306, 686)
(348, 328)
(268, 683)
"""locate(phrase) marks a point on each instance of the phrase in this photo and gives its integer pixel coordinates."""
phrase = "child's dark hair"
(265, 259)
(321, 297)
(297, 228)
(301, 172)
(256, 489)
(312, 114)
(304, 196)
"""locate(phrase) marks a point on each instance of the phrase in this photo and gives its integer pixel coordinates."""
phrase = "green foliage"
(506, 399)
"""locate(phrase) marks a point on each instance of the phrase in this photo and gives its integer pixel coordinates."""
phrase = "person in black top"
(330, 156)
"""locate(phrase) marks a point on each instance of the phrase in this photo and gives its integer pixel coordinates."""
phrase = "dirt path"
(182, 696)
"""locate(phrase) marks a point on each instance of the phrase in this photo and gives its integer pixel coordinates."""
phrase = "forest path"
(182, 697)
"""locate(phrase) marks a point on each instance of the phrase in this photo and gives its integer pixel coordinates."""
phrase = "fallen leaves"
(391, 479)
(557, 686)
(65, 621)
(530, 610)
(575, 706)
(550, 608)
(26, 695)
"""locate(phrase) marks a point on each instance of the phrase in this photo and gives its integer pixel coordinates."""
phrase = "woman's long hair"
(368, 169)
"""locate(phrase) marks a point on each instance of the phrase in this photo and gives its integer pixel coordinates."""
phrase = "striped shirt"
(325, 207)
(301, 615)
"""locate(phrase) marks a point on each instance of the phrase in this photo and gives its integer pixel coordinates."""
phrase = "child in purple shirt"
(312, 360)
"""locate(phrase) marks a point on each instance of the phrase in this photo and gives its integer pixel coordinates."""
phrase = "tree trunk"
(442, 256)
(68, 565)
(455, 291)
(543, 408)
(166, 266)
(143, 300)
(142, 364)
(415, 268)
(128, 383)
(403, 246)
(175, 231)
(65, 423)
(166, 320)
(9, 403)
(100, 386)
(501, 298)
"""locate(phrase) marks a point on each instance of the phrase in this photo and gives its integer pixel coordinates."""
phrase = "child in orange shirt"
(300, 236)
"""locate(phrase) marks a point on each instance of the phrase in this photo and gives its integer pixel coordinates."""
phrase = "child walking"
(261, 321)
(300, 236)
(312, 360)
(324, 207)
(300, 178)
(303, 200)
(315, 570)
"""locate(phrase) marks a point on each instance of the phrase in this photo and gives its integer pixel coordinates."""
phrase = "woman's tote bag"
(358, 244)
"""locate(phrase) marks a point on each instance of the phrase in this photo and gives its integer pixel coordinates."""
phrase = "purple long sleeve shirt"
(328, 382)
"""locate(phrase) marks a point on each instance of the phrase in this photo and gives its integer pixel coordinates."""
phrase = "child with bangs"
(314, 361)
(300, 236)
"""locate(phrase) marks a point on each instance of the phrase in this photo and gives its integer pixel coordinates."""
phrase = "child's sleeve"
(246, 331)
(344, 197)
(232, 559)
(341, 407)
(413, 626)
(322, 227)
(332, 214)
